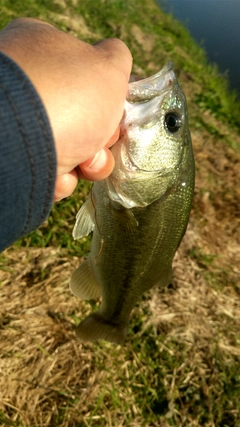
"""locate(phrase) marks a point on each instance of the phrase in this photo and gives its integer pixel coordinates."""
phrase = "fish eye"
(173, 122)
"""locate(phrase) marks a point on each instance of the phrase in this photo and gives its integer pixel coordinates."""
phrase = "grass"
(57, 230)
(180, 364)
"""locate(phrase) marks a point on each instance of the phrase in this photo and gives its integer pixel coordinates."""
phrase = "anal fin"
(83, 283)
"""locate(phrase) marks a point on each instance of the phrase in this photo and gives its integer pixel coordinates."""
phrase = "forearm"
(27, 156)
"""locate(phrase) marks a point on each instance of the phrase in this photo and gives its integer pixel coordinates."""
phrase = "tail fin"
(95, 327)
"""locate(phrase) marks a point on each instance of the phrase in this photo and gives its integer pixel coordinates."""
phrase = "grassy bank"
(180, 365)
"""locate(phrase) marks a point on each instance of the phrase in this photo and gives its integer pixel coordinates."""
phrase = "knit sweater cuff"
(27, 155)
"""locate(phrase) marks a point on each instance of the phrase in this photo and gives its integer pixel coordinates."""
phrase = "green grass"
(57, 230)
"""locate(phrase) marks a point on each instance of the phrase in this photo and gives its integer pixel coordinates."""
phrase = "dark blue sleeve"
(27, 155)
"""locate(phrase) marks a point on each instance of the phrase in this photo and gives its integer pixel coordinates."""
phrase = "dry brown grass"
(49, 379)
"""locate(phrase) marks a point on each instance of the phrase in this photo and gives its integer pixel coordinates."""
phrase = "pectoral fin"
(83, 283)
(85, 219)
(128, 222)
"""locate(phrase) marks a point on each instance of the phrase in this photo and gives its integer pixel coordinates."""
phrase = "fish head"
(154, 134)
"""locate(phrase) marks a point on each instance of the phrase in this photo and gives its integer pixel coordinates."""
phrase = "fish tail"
(96, 327)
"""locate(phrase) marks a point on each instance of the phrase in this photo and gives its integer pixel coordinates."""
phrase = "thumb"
(99, 167)
(65, 185)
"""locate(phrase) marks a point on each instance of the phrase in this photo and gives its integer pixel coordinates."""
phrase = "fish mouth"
(148, 88)
(145, 98)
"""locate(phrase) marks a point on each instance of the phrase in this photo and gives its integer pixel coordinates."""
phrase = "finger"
(115, 51)
(65, 185)
(114, 138)
(98, 168)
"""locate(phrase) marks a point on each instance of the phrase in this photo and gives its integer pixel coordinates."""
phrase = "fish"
(139, 214)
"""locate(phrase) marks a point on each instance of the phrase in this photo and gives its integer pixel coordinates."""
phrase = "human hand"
(83, 89)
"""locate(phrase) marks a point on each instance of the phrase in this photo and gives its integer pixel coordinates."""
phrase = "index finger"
(116, 52)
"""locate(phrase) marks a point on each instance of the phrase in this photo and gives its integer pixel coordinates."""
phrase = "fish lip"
(148, 88)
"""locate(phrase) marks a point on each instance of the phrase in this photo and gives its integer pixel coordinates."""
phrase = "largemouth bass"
(139, 214)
